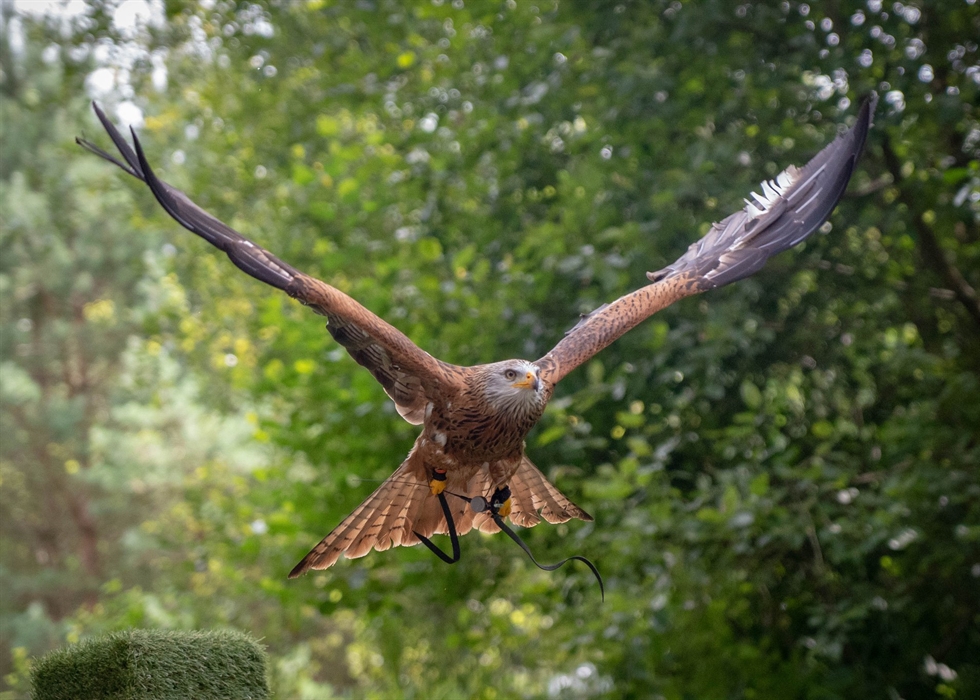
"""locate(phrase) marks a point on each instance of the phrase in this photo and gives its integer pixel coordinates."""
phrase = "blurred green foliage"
(784, 473)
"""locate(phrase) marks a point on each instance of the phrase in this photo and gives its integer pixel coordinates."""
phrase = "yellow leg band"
(504, 510)
(437, 486)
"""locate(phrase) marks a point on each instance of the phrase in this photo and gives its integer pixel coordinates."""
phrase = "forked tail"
(403, 506)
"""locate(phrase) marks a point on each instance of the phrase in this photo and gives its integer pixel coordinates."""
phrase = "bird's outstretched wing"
(791, 207)
(409, 375)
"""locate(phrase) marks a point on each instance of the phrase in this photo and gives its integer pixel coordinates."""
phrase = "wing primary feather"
(786, 213)
(406, 372)
(132, 164)
(249, 257)
(789, 209)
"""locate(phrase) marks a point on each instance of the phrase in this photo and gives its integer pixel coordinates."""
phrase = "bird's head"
(515, 385)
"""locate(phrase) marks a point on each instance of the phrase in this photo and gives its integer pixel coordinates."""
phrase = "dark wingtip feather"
(92, 148)
(299, 569)
(790, 209)
(131, 165)
(157, 187)
(249, 257)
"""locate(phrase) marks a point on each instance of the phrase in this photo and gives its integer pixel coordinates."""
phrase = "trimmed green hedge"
(155, 665)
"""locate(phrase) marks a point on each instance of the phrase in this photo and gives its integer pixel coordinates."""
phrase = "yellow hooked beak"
(529, 382)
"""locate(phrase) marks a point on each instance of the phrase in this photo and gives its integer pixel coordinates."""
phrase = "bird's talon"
(500, 503)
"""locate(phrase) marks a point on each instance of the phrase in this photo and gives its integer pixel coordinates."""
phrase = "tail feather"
(362, 530)
(390, 517)
(533, 497)
(377, 532)
(534, 494)
(403, 505)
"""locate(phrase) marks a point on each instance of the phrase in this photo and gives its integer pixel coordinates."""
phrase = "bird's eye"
(510, 374)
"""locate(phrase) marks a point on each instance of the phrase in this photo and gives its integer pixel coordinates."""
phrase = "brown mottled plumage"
(475, 419)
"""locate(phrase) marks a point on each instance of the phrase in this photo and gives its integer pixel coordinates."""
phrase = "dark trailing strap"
(479, 504)
(453, 537)
(549, 567)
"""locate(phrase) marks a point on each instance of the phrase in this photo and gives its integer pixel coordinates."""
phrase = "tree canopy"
(784, 474)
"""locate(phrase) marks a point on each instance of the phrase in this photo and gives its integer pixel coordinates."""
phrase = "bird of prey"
(474, 419)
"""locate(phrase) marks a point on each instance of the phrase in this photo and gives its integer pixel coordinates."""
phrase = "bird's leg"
(500, 502)
(437, 484)
(501, 473)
